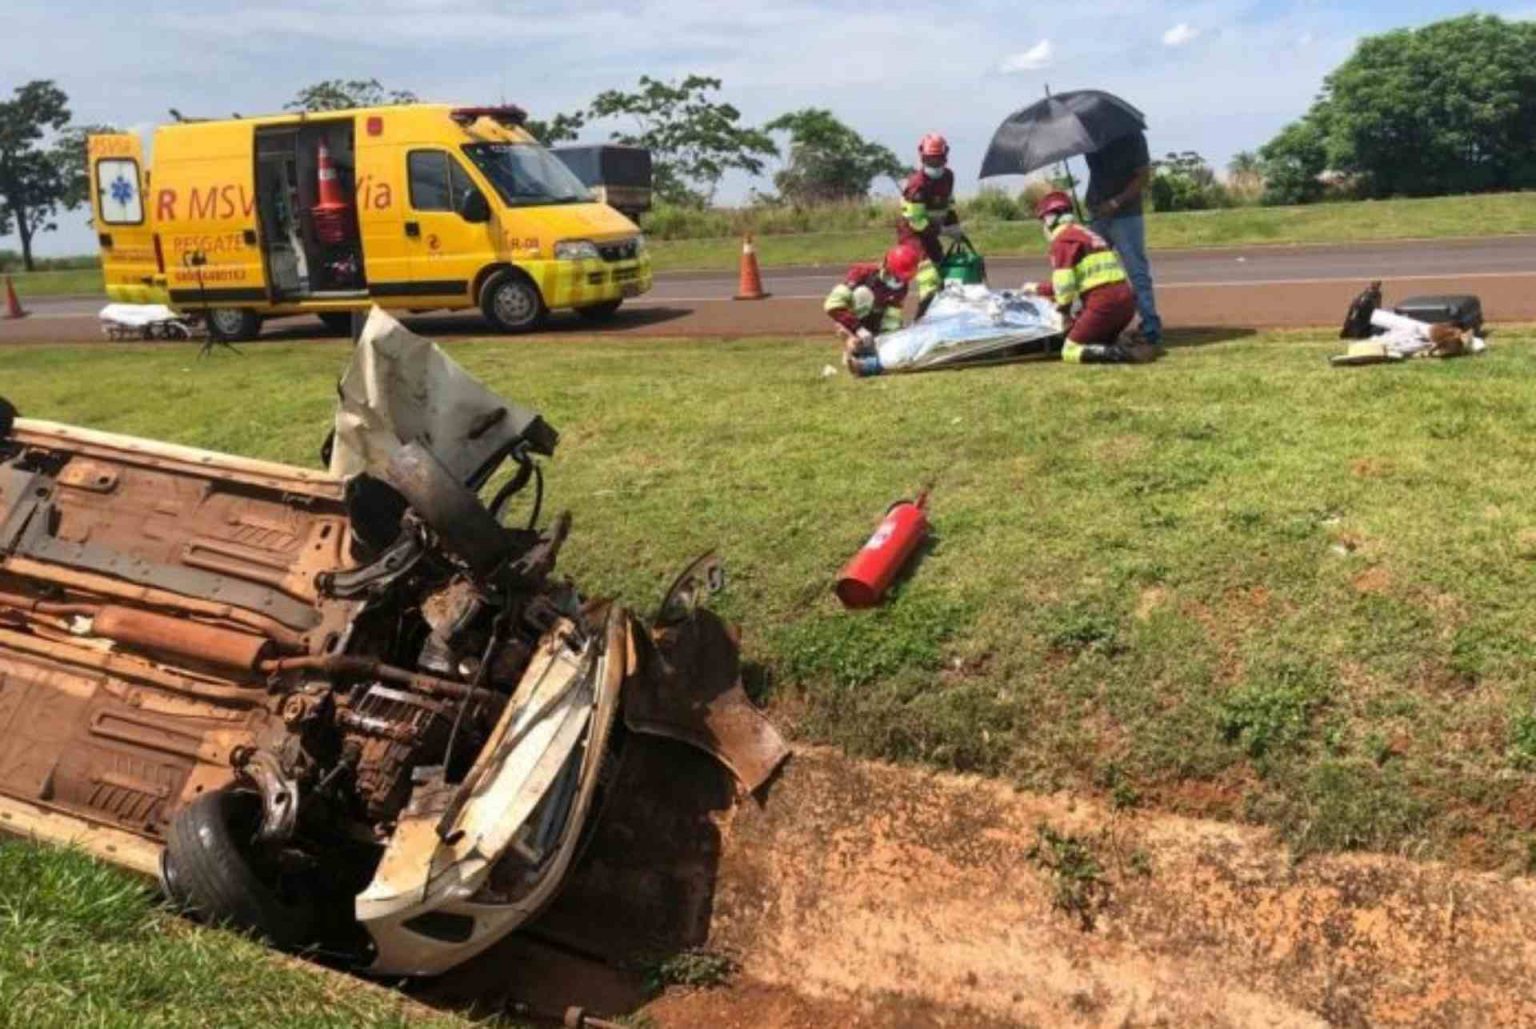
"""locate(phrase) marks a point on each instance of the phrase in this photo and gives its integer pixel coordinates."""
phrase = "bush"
(1186, 182)
(768, 217)
(994, 205)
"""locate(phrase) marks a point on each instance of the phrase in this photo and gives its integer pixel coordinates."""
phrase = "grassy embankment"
(1237, 583)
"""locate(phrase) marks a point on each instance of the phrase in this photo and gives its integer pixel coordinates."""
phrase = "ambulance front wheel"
(236, 324)
(511, 302)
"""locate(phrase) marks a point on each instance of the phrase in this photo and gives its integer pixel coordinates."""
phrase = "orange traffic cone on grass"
(751, 287)
(12, 305)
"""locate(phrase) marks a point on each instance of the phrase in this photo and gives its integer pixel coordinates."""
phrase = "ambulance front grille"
(624, 251)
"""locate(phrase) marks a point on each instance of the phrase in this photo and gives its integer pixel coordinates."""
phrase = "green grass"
(1438, 217)
(1237, 583)
(66, 282)
(84, 945)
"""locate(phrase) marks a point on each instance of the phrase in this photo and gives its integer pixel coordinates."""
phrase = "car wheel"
(511, 302)
(211, 870)
(236, 324)
(600, 312)
(338, 323)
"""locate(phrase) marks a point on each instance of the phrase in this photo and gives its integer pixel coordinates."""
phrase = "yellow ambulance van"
(419, 206)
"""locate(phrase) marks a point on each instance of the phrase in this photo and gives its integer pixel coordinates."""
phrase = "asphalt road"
(1231, 288)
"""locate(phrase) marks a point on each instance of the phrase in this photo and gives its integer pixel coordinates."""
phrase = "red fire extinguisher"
(866, 578)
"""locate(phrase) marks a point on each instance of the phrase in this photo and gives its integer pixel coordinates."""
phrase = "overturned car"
(353, 711)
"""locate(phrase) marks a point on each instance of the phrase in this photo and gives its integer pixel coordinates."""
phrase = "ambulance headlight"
(576, 250)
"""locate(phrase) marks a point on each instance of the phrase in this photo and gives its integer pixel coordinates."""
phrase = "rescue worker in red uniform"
(1089, 286)
(868, 301)
(928, 199)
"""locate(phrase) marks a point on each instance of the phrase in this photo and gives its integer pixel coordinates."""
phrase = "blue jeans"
(1128, 235)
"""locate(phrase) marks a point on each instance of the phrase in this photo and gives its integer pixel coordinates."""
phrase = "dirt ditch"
(861, 894)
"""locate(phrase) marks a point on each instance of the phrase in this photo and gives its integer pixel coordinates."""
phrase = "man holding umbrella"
(1111, 133)
(1119, 175)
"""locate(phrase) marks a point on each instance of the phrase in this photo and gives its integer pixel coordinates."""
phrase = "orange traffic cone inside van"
(331, 211)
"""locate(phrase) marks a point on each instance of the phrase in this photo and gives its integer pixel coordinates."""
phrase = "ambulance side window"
(438, 182)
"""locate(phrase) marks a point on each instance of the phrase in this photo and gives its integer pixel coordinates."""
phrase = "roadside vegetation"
(1237, 583)
(84, 944)
(1000, 226)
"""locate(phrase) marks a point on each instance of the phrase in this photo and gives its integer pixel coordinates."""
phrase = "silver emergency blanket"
(400, 388)
(970, 323)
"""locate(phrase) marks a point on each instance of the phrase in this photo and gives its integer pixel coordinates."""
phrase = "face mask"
(891, 282)
(933, 172)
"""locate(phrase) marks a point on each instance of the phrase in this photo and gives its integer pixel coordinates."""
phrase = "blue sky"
(1217, 76)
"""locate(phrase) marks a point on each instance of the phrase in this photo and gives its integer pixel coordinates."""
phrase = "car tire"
(211, 871)
(603, 312)
(235, 324)
(337, 323)
(512, 303)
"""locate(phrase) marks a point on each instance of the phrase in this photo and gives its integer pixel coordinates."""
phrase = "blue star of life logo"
(122, 190)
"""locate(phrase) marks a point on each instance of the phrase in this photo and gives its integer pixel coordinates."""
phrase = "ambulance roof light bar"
(507, 114)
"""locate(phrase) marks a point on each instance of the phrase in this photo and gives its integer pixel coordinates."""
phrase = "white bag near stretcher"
(143, 321)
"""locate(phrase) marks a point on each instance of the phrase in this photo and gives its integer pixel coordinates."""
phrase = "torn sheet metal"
(971, 323)
(401, 388)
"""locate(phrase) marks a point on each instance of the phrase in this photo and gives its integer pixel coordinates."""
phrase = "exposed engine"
(344, 701)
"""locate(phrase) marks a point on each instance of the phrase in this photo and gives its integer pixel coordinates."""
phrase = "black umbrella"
(1059, 127)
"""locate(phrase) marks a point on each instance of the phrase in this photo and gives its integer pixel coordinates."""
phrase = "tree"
(828, 161)
(1185, 182)
(1245, 178)
(1446, 108)
(341, 94)
(1294, 161)
(693, 139)
(1244, 164)
(69, 156)
(560, 128)
(34, 182)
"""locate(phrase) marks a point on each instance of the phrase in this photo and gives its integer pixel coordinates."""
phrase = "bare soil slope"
(876, 895)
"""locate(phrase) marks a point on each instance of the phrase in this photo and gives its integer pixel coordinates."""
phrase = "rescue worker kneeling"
(1086, 275)
(869, 299)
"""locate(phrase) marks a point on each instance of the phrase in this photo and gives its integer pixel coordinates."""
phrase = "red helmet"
(933, 145)
(902, 261)
(1055, 202)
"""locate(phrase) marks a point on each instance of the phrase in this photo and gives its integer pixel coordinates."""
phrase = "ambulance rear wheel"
(600, 312)
(511, 303)
(235, 324)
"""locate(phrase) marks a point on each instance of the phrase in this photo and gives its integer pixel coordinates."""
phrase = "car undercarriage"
(352, 711)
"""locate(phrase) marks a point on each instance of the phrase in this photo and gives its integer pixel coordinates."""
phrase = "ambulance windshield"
(525, 174)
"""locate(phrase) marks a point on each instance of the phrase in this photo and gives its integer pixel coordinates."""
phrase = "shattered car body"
(353, 712)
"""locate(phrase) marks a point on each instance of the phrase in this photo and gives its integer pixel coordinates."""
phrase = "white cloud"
(1180, 34)
(1033, 59)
